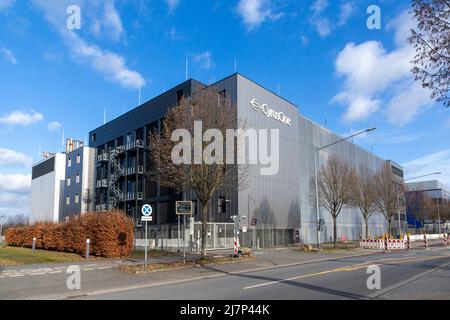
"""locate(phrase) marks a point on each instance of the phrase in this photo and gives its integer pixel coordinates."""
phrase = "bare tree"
(335, 181)
(431, 39)
(420, 205)
(390, 193)
(13, 221)
(203, 168)
(364, 194)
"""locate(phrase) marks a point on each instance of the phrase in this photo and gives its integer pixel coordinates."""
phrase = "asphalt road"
(420, 274)
(417, 275)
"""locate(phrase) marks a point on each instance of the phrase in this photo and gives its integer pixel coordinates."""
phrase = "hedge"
(110, 233)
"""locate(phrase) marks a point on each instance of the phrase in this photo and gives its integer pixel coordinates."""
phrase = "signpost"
(146, 216)
(184, 208)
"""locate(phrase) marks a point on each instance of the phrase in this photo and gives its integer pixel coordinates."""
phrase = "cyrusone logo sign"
(270, 113)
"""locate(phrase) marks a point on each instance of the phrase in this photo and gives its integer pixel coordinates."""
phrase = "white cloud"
(8, 55)
(347, 10)
(256, 12)
(109, 24)
(111, 65)
(15, 183)
(204, 60)
(374, 77)
(435, 162)
(12, 204)
(172, 4)
(407, 103)
(5, 4)
(13, 158)
(21, 118)
(319, 5)
(54, 126)
(323, 26)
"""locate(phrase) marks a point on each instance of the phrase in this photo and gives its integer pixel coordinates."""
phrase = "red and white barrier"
(392, 244)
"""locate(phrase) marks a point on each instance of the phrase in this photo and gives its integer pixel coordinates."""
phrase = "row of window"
(77, 179)
(69, 160)
(77, 199)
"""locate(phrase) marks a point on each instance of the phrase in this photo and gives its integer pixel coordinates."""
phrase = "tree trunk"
(334, 231)
(367, 227)
(204, 228)
(389, 227)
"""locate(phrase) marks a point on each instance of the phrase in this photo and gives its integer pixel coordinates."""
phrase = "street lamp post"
(315, 174)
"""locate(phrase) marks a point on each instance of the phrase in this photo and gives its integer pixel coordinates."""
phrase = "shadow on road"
(334, 292)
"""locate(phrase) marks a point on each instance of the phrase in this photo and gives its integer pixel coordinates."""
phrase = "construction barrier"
(392, 244)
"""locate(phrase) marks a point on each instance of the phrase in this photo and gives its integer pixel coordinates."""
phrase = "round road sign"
(147, 210)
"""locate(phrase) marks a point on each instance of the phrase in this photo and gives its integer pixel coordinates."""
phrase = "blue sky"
(319, 53)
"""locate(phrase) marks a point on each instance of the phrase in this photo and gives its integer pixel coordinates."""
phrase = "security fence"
(219, 236)
(266, 236)
(173, 237)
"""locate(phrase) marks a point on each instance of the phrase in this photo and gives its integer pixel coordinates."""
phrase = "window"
(68, 181)
(77, 178)
(223, 94)
(78, 158)
(93, 137)
(69, 162)
(180, 95)
(67, 200)
(77, 198)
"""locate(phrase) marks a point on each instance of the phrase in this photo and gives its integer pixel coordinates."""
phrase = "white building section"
(47, 189)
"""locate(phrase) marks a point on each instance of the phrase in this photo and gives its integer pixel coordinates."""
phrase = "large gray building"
(283, 202)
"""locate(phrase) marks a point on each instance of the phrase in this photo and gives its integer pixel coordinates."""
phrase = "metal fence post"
(88, 244)
(263, 243)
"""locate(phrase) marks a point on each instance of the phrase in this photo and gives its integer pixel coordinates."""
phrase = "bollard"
(88, 243)
(426, 241)
(257, 243)
(34, 244)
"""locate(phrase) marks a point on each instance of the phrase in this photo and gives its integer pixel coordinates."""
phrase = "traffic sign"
(147, 218)
(146, 210)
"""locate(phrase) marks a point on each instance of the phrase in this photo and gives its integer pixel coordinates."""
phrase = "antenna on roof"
(63, 143)
(278, 88)
(187, 67)
(39, 152)
(104, 116)
(235, 64)
(139, 96)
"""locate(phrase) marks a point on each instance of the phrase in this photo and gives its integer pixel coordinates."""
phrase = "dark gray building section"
(122, 158)
(43, 168)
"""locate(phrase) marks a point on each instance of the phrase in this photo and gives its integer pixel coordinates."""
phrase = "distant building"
(438, 192)
(47, 186)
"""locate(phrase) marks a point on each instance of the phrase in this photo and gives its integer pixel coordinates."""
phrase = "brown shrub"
(111, 235)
